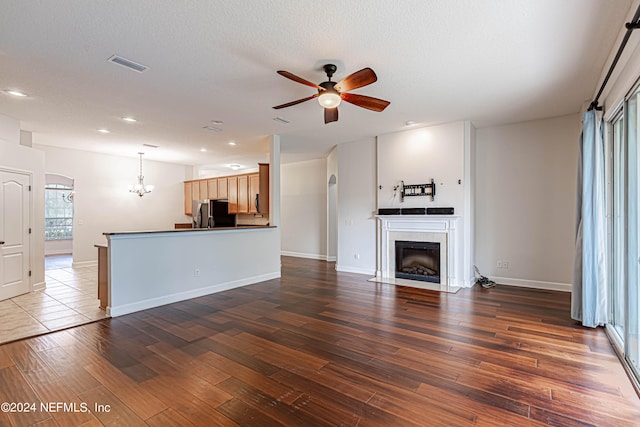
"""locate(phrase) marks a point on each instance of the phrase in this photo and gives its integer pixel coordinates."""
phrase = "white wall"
(526, 200)
(16, 157)
(102, 202)
(418, 155)
(304, 209)
(356, 207)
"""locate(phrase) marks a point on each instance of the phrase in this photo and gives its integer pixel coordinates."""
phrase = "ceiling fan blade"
(298, 101)
(298, 79)
(367, 102)
(330, 115)
(361, 78)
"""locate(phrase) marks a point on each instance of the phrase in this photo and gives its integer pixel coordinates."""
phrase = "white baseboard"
(39, 286)
(84, 263)
(348, 269)
(182, 296)
(308, 256)
(551, 286)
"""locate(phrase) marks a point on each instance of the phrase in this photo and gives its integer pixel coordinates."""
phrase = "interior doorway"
(58, 215)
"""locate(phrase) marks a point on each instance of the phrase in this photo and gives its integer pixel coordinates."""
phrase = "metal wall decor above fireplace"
(418, 261)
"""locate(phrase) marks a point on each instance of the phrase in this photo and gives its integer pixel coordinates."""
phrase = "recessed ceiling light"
(409, 123)
(281, 120)
(212, 128)
(203, 149)
(104, 131)
(129, 119)
(15, 93)
(235, 166)
(232, 143)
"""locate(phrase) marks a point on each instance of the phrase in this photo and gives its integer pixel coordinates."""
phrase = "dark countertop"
(191, 230)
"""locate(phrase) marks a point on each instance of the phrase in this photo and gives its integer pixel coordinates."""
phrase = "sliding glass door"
(633, 229)
(624, 292)
(617, 293)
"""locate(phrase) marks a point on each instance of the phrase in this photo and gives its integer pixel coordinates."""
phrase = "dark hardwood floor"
(317, 348)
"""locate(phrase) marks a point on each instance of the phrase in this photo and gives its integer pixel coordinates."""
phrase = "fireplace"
(417, 260)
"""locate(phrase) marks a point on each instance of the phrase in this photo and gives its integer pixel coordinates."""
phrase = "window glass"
(58, 212)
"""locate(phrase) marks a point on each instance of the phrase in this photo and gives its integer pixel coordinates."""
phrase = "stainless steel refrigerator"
(202, 214)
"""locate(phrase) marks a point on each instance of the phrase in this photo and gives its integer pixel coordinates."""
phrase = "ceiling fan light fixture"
(329, 99)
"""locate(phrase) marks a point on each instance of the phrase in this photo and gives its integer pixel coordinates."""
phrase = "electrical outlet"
(196, 272)
(499, 264)
(356, 256)
(505, 265)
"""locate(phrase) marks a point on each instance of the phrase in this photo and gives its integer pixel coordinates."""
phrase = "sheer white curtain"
(589, 297)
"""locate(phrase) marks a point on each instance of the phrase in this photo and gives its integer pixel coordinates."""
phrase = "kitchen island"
(151, 268)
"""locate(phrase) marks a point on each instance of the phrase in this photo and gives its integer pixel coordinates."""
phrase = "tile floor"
(69, 299)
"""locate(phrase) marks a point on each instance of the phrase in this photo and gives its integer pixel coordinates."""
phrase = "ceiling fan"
(331, 93)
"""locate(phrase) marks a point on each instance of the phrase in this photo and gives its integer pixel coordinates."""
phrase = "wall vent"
(139, 68)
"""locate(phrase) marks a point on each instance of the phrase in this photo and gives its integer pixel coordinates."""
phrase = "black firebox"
(418, 261)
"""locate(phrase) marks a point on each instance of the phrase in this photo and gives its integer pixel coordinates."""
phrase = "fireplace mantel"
(421, 228)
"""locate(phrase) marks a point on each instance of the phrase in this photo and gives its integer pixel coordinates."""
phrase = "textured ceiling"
(489, 61)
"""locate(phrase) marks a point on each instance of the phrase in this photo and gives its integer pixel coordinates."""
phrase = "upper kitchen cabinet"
(243, 194)
(263, 190)
(232, 194)
(254, 193)
(204, 190)
(246, 193)
(188, 206)
(223, 190)
(195, 190)
(212, 188)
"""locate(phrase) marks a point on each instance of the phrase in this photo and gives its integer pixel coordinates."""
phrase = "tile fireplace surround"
(444, 229)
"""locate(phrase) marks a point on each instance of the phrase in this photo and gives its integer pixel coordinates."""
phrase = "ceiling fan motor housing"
(328, 86)
(330, 69)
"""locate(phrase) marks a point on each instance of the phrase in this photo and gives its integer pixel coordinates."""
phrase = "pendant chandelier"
(140, 188)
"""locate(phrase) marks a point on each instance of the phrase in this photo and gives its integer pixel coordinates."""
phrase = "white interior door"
(14, 234)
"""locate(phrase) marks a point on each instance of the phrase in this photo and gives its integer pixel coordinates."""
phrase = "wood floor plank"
(197, 411)
(144, 404)
(117, 413)
(318, 347)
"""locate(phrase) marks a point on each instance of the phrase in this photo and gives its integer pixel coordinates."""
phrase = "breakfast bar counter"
(151, 268)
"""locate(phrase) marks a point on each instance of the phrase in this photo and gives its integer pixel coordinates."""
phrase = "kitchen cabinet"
(195, 190)
(204, 191)
(246, 193)
(188, 206)
(263, 191)
(223, 190)
(212, 186)
(232, 194)
(254, 193)
(259, 190)
(243, 194)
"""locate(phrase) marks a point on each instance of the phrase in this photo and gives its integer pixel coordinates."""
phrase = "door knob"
(1, 242)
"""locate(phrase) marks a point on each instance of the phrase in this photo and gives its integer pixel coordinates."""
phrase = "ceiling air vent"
(128, 63)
